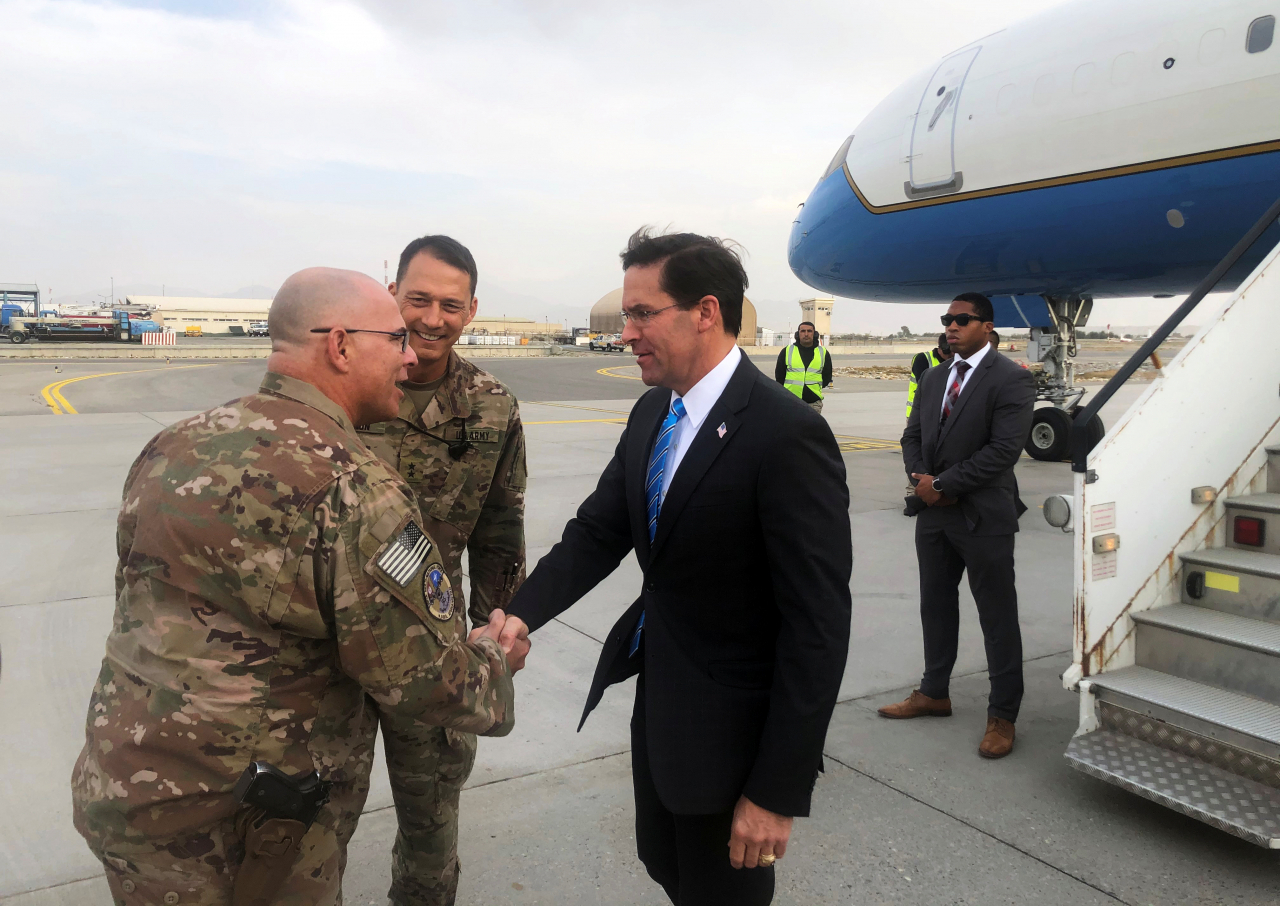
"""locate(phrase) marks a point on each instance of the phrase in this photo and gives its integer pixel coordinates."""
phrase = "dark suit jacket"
(974, 453)
(745, 595)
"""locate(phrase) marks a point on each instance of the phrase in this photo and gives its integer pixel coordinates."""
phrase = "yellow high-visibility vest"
(934, 359)
(800, 376)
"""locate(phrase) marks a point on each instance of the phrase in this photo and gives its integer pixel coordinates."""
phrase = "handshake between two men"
(509, 632)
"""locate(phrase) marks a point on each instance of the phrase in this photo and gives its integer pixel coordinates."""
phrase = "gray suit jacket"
(974, 453)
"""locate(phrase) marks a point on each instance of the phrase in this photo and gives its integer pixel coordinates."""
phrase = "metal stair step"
(1224, 800)
(1241, 632)
(1260, 503)
(1241, 714)
(1228, 558)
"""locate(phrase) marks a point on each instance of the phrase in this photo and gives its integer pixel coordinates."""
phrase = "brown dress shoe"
(997, 742)
(917, 705)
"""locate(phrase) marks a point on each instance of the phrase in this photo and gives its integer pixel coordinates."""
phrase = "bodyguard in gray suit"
(966, 431)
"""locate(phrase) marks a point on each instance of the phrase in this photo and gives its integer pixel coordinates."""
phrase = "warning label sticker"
(1104, 566)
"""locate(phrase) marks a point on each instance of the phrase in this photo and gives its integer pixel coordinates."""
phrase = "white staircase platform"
(1224, 800)
(1240, 713)
(1254, 563)
(1240, 632)
(1259, 503)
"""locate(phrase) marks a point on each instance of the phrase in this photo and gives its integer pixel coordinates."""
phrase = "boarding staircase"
(1177, 648)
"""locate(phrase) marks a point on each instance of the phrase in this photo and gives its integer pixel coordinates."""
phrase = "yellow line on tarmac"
(581, 421)
(52, 393)
(608, 372)
(572, 406)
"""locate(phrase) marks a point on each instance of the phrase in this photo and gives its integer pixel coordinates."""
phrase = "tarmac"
(906, 812)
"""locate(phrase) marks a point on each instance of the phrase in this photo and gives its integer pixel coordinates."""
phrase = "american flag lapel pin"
(721, 430)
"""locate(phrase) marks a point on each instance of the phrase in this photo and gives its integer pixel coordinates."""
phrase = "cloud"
(224, 144)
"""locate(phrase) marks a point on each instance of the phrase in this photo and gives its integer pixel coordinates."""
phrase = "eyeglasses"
(401, 335)
(643, 316)
(961, 319)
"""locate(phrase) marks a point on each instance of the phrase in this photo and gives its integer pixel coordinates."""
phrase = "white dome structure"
(606, 317)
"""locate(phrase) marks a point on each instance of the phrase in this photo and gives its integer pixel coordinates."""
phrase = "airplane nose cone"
(814, 246)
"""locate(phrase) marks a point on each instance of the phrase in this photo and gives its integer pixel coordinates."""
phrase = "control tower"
(819, 312)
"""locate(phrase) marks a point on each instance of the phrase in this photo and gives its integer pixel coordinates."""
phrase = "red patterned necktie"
(953, 393)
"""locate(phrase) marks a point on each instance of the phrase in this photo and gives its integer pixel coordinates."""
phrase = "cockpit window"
(1261, 32)
(838, 161)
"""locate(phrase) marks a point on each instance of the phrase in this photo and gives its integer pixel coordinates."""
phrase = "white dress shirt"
(697, 405)
(973, 360)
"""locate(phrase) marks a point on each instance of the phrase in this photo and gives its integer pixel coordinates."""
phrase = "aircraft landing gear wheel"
(1050, 439)
(1096, 429)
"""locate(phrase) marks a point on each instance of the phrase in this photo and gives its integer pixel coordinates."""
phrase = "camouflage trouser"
(427, 766)
(816, 405)
(199, 869)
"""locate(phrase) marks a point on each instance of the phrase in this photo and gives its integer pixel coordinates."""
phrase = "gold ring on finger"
(766, 860)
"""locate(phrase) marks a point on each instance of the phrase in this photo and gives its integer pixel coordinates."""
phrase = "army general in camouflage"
(459, 443)
(275, 596)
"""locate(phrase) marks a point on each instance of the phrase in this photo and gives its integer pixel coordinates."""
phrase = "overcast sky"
(211, 146)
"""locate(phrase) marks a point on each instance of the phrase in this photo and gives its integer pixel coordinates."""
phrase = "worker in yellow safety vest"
(804, 367)
(922, 363)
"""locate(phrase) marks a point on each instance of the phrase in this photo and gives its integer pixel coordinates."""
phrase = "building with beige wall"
(210, 315)
(518, 327)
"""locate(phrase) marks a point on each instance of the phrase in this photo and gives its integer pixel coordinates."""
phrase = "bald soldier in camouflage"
(459, 443)
(273, 585)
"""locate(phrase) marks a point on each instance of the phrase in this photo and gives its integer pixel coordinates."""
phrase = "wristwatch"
(935, 486)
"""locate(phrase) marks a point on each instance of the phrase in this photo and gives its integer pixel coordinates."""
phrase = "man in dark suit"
(732, 494)
(965, 433)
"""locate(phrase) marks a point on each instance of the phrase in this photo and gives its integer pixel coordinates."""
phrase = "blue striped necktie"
(653, 484)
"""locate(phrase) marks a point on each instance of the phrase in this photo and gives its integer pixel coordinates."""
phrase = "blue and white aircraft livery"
(1103, 148)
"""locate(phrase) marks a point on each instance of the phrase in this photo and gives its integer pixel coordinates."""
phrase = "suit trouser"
(687, 854)
(946, 549)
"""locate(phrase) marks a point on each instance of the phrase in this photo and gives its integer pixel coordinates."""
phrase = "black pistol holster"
(279, 810)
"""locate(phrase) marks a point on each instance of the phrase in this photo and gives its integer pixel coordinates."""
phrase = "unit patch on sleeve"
(404, 555)
(438, 592)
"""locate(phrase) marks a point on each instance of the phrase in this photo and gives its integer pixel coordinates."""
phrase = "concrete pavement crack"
(578, 631)
(978, 672)
(974, 827)
(479, 786)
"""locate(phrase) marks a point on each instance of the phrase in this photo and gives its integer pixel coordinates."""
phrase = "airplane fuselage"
(1099, 149)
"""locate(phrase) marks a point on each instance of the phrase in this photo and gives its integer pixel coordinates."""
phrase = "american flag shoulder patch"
(403, 556)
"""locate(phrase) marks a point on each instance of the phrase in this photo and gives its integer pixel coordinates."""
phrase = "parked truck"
(119, 325)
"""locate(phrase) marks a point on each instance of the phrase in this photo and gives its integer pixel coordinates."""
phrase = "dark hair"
(693, 266)
(943, 345)
(994, 339)
(981, 305)
(810, 323)
(445, 249)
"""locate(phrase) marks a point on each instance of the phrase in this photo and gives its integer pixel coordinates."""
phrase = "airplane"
(1103, 148)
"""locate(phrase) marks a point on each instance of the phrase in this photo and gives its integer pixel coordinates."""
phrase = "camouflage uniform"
(269, 592)
(473, 501)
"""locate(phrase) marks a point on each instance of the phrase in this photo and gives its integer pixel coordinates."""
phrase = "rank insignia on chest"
(438, 592)
(403, 556)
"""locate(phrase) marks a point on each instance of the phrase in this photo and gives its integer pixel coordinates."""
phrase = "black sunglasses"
(962, 319)
(401, 335)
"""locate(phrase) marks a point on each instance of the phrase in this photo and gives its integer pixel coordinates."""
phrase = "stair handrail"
(1080, 427)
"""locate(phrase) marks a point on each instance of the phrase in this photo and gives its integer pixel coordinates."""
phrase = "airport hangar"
(210, 315)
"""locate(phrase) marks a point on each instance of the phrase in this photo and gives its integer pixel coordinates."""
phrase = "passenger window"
(1082, 81)
(1261, 31)
(1211, 45)
(1004, 100)
(1122, 68)
(1042, 93)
